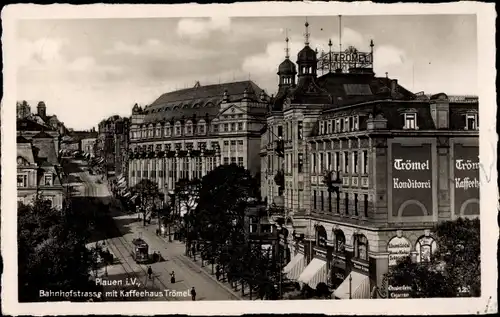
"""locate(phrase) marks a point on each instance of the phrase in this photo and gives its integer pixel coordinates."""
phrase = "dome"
(307, 54)
(287, 67)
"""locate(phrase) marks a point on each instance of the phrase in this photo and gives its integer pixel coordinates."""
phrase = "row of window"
(22, 180)
(351, 162)
(178, 146)
(188, 129)
(184, 172)
(287, 132)
(339, 125)
(322, 202)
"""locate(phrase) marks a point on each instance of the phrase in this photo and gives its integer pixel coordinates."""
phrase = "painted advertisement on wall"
(398, 248)
(411, 180)
(466, 180)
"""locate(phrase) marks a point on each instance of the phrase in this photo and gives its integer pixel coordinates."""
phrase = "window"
(329, 160)
(365, 205)
(356, 123)
(145, 174)
(158, 131)
(240, 161)
(240, 126)
(233, 160)
(339, 241)
(178, 130)
(313, 159)
(47, 180)
(300, 135)
(346, 201)
(355, 162)
(337, 162)
(361, 249)
(351, 123)
(337, 201)
(470, 121)
(425, 247)
(226, 127)
(233, 126)
(321, 127)
(300, 162)
(215, 128)
(341, 125)
(280, 131)
(346, 162)
(329, 127)
(321, 163)
(314, 199)
(364, 162)
(49, 200)
(356, 205)
(22, 180)
(322, 202)
(410, 121)
(226, 144)
(201, 129)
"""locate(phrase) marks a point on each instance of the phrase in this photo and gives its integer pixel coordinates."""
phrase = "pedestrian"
(193, 294)
(172, 277)
(150, 271)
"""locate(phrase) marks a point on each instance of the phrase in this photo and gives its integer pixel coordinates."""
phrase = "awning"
(133, 197)
(126, 194)
(359, 285)
(314, 273)
(122, 185)
(295, 267)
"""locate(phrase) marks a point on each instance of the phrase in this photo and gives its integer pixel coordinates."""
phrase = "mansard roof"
(199, 100)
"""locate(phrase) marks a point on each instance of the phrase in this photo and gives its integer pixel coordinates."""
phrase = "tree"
(51, 253)
(187, 193)
(147, 191)
(453, 270)
(219, 217)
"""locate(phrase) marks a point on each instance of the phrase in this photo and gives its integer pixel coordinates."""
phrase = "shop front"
(338, 267)
(296, 265)
(398, 248)
(356, 285)
(317, 270)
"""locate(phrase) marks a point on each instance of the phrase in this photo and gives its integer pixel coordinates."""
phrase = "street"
(124, 270)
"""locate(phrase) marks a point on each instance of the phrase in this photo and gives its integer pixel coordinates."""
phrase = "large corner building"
(189, 132)
(357, 170)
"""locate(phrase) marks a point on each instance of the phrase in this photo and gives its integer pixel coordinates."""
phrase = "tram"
(141, 251)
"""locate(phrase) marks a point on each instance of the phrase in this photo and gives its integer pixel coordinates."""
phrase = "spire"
(287, 50)
(330, 55)
(306, 35)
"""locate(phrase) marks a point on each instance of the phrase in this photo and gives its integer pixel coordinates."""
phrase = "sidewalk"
(207, 269)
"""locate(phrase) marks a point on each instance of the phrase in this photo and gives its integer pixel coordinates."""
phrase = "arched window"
(201, 127)
(321, 236)
(178, 128)
(167, 129)
(158, 130)
(339, 241)
(189, 128)
(425, 247)
(361, 247)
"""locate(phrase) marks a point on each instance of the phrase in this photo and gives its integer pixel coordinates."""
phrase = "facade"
(105, 145)
(121, 140)
(358, 169)
(87, 146)
(187, 133)
(38, 173)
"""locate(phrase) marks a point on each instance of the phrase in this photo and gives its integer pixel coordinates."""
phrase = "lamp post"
(350, 286)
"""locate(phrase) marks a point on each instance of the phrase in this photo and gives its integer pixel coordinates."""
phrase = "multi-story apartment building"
(187, 133)
(359, 170)
(38, 172)
(112, 145)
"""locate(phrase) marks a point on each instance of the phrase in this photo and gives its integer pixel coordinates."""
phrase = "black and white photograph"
(256, 152)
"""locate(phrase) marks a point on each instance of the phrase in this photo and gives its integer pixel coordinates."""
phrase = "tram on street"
(141, 251)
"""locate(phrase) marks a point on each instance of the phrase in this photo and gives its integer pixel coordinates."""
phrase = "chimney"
(394, 86)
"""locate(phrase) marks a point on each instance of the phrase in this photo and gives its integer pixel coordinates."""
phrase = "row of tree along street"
(211, 217)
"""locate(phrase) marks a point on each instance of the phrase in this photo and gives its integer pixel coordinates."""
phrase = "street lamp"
(350, 286)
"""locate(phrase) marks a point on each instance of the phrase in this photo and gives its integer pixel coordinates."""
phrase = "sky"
(86, 70)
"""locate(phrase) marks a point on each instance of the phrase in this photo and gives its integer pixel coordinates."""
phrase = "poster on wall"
(398, 248)
(411, 180)
(466, 180)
